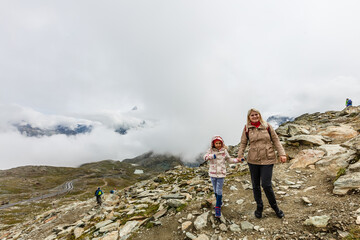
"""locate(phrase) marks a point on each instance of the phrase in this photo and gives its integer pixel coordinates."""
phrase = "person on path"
(98, 194)
(261, 158)
(216, 156)
(348, 102)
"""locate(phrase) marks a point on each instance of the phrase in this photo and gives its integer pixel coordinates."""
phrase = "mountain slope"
(155, 162)
(321, 180)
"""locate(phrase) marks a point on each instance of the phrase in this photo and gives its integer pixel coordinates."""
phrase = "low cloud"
(190, 77)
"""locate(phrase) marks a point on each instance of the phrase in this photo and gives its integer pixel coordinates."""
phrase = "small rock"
(190, 235)
(240, 201)
(309, 188)
(140, 206)
(289, 182)
(357, 211)
(222, 219)
(160, 213)
(186, 225)
(78, 232)
(223, 227)
(306, 200)
(201, 221)
(318, 221)
(102, 224)
(109, 227)
(235, 228)
(111, 236)
(202, 237)
(173, 196)
(245, 225)
(343, 234)
(128, 228)
(157, 223)
(174, 203)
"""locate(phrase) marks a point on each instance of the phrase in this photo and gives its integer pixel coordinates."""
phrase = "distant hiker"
(216, 156)
(98, 194)
(112, 191)
(261, 158)
(348, 102)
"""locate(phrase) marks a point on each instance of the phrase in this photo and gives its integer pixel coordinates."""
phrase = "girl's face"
(254, 117)
(218, 145)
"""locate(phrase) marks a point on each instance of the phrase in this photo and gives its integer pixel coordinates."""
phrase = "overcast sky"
(192, 68)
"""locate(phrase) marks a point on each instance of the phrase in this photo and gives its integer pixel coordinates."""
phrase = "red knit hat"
(215, 139)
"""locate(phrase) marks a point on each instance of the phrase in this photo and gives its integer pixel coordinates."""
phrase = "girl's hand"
(283, 159)
(240, 160)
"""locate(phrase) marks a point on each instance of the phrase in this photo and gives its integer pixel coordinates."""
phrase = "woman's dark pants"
(263, 173)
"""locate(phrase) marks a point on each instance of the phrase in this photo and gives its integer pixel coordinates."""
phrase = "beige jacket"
(261, 145)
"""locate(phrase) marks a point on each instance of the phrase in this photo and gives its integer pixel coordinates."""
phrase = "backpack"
(247, 131)
(98, 193)
(349, 102)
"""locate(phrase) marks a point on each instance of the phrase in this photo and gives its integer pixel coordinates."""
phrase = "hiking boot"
(279, 213)
(217, 212)
(258, 211)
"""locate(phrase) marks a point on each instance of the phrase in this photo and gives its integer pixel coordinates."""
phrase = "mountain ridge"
(318, 190)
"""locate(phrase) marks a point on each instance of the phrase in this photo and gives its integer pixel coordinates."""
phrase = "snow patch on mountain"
(276, 120)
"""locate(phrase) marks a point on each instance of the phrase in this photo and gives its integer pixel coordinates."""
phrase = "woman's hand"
(240, 159)
(283, 159)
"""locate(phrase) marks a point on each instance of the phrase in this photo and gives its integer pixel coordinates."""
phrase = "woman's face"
(254, 117)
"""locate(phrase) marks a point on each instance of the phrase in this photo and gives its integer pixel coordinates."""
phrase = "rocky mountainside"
(277, 120)
(30, 131)
(156, 162)
(318, 189)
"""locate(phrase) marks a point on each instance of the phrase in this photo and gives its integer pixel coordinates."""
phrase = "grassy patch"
(151, 210)
(341, 172)
(149, 225)
(19, 214)
(354, 234)
(238, 174)
(179, 209)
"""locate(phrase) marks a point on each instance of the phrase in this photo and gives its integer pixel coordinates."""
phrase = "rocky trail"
(318, 189)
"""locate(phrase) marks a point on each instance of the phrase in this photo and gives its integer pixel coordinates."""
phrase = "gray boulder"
(315, 140)
(318, 221)
(347, 182)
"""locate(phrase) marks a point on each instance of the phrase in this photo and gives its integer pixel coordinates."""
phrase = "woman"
(261, 158)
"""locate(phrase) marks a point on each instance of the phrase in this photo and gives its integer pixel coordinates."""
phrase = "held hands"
(240, 160)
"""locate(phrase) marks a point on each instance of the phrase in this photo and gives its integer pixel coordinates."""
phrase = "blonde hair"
(257, 111)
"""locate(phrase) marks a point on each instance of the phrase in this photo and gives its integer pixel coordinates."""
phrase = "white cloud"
(192, 68)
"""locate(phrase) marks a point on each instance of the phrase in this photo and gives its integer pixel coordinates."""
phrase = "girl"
(261, 158)
(216, 156)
